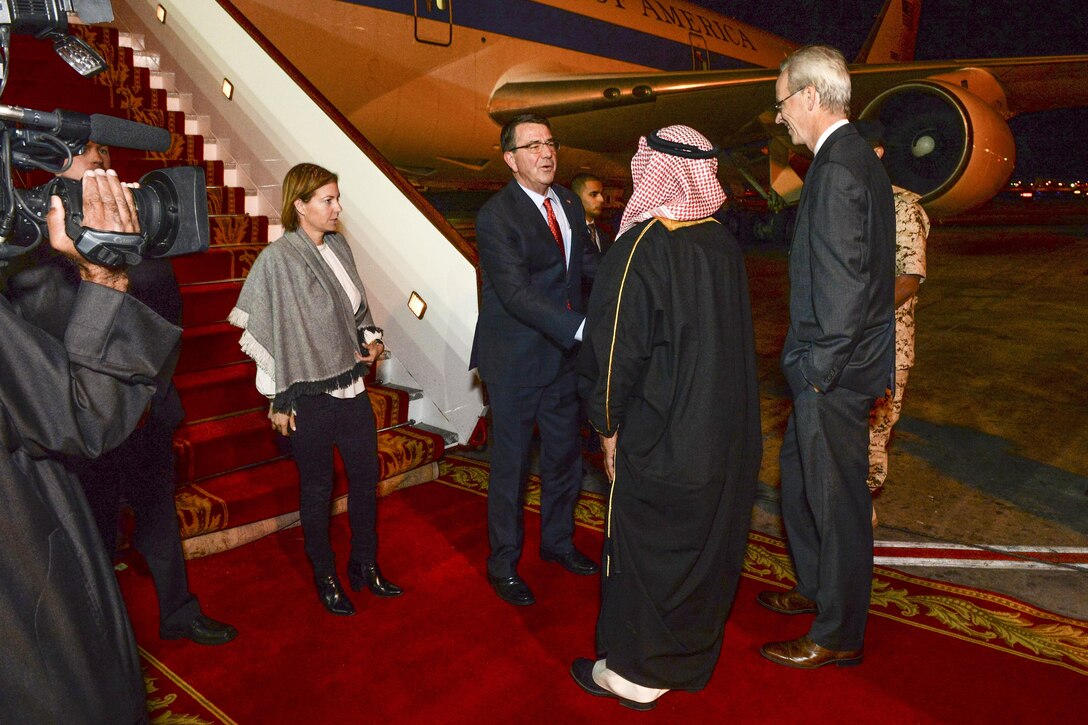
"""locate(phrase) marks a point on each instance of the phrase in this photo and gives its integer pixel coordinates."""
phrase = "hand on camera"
(107, 205)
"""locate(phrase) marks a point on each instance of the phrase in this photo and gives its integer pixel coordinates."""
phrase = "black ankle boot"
(332, 595)
(371, 576)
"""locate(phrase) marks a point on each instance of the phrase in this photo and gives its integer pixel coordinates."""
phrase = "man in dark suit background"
(838, 357)
(590, 191)
(531, 237)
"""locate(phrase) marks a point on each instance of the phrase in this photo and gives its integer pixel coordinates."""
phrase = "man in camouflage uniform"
(911, 231)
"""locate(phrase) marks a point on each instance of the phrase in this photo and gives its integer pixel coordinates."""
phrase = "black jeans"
(323, 421)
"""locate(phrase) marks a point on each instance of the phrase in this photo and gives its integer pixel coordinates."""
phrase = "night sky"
(1048, 144)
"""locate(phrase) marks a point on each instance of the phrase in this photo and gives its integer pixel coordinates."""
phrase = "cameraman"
(142, 468)
(70, 655)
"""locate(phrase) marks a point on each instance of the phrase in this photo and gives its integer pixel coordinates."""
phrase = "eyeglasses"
(535, 147)
(778, 104)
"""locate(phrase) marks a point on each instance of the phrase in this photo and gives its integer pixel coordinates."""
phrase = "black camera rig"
(171, 203)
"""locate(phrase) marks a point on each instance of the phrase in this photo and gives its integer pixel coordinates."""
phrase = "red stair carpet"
(234, 484)
(449, 651)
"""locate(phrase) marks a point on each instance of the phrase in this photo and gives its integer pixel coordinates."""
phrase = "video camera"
(171, 203)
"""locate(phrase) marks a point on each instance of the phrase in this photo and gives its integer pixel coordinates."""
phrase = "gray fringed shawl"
(298, 322)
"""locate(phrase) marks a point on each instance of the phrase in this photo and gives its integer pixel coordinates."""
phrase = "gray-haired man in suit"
(839, 356)
(531, 236)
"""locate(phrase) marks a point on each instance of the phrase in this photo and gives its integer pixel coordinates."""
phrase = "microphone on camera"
(112, 131)
(102, 129)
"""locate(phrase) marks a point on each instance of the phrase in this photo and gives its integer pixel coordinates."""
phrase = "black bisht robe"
(669, 360)
(69, 653)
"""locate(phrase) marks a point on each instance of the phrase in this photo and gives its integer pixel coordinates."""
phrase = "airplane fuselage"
(430, 82)
(418, 84)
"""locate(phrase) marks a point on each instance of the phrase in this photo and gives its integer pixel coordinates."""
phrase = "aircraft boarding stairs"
(233, 483)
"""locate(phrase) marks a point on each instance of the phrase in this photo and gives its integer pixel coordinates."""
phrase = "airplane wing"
(602, 112)
(946, 120)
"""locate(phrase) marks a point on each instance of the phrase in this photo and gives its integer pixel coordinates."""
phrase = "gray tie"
(594, 236)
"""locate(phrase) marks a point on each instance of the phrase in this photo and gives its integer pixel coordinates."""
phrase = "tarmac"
(992, 447)
(989, 461)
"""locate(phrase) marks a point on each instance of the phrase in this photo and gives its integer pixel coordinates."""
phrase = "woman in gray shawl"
(309, 329)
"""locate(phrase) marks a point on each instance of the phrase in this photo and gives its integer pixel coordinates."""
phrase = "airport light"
(228, 89)
(160, 13)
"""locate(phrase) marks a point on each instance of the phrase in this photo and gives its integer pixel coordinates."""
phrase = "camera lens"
(171, 205)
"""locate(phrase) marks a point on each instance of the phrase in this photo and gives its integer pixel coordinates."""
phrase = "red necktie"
(553, 224)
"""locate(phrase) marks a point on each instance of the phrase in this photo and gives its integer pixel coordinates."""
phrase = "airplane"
(429, 82)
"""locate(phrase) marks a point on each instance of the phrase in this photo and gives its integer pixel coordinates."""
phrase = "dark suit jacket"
(842, 273)
(591, 259)
(525, 330)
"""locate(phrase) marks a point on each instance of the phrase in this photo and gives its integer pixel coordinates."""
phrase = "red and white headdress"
(675, 175)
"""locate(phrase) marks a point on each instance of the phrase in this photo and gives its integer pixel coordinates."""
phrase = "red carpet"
(449, 651)
(231, 473)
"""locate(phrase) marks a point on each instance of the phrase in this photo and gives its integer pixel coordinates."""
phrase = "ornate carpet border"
(170, 699)
(471, 474)
(973, 615)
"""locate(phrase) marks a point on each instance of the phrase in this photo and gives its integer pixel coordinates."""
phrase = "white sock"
(619, 685)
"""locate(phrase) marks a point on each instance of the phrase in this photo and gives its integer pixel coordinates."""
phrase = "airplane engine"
(945, 143)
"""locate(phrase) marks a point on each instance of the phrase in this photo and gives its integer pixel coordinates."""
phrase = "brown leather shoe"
(805, 654)
(790, 602)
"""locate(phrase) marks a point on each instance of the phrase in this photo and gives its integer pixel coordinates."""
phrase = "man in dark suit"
(531, 235)
(839, 356)
(590, 192)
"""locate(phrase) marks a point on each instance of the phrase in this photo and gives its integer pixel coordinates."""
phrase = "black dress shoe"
(582, 672)
(202, 630)
(512, 590)
(371, 576)
(332, 595)
(574, 561)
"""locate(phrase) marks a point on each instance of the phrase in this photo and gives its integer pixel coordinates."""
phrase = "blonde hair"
(300, 183)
